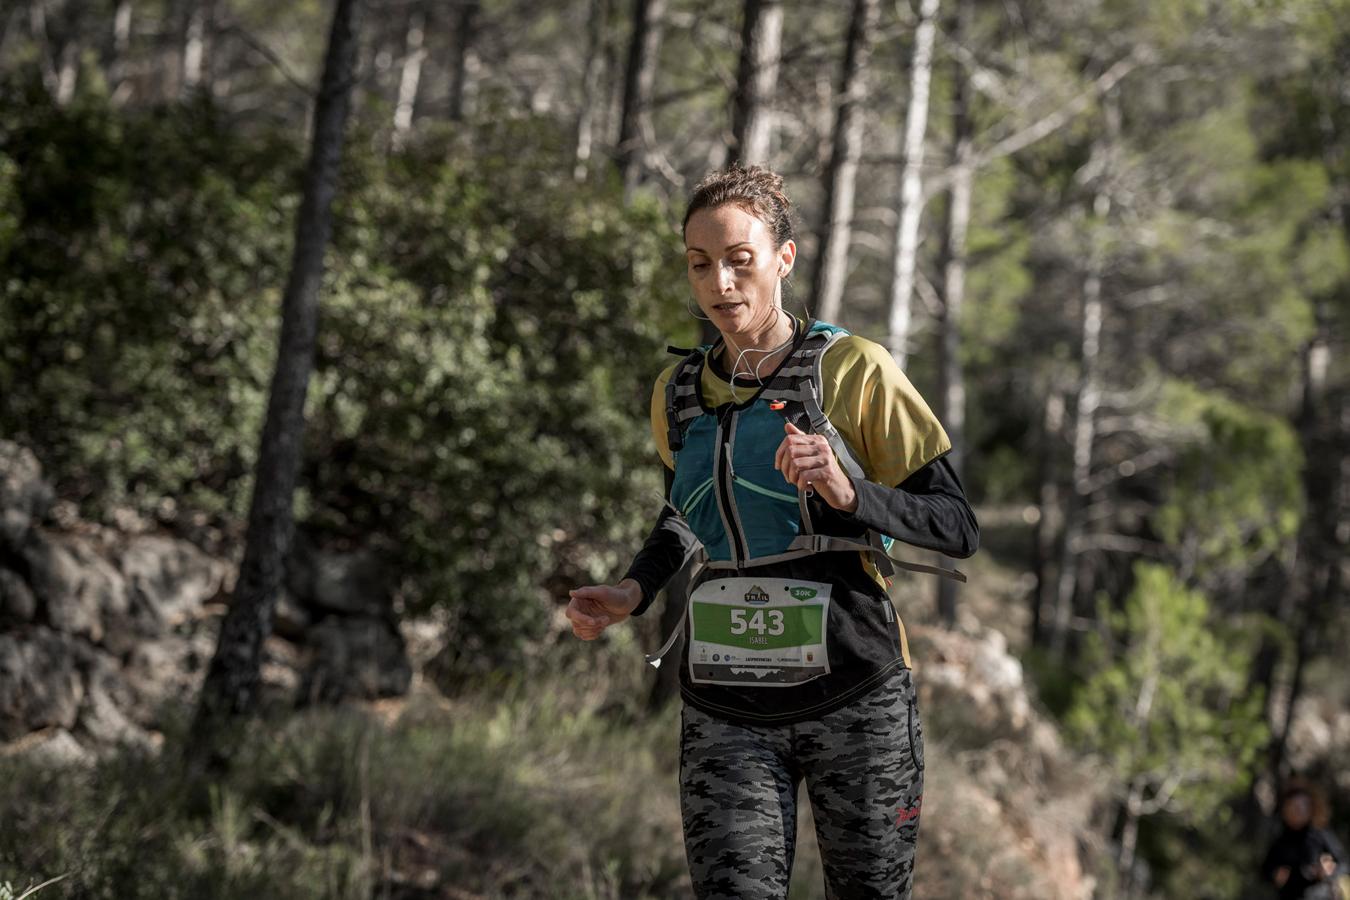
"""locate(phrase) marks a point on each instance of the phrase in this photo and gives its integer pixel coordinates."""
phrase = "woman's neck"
(776, 329)
(765, 344)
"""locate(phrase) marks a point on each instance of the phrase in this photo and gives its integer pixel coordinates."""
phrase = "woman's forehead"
(719, 229)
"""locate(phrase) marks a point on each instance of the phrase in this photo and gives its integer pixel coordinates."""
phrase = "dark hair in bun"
(756, 190)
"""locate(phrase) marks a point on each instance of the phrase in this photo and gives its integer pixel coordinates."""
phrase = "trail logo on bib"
(803, 593)
(757, 595)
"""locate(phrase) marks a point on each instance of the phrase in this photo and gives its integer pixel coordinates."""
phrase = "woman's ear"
(787, 254)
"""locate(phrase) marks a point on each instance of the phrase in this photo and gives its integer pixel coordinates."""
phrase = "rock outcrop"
(1007, 806)
(102, 631)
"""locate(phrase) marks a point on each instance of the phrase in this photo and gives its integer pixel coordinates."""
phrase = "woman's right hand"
(595, 607)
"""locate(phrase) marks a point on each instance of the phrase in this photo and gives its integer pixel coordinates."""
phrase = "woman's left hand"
(808, 460)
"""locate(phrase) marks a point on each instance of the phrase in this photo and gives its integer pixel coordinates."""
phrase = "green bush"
(1167, 708)
(488, 337)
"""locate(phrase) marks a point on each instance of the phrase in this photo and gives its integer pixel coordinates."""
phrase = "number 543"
(740, 624)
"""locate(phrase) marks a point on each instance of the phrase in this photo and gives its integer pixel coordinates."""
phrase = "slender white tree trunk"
(841, 179)
(119, 52)
(1084, 436)
(37, 27)
(1049, 513)
(639, 76)
(194, 47)
(414, 53)
(463, 63)
(596, 20)
(905, 258)
(756, 82)
(951, 391)
(68, 72)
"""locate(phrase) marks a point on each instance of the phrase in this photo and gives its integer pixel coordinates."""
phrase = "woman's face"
(734, 268)
(1296, 811)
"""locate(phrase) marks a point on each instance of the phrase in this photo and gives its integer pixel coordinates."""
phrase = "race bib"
(767, 631)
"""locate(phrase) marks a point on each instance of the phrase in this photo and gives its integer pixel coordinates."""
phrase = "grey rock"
(40, 684)
(51, 746)
(17, 603)
(167, 580)
(24, 496)
(358, 657)
(79, 589)
(102, 717)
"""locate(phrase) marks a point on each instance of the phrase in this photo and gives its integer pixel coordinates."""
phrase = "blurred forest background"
(1109, 241)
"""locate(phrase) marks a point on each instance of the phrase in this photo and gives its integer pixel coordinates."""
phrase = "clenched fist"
(808, 462)
(595, 607)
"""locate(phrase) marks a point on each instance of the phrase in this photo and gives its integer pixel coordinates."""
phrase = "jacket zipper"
(725, 474)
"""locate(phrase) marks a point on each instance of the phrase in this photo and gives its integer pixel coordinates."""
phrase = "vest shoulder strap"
(800, 385)
(682, 403)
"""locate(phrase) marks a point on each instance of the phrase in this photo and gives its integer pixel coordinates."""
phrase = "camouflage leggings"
(863, 766)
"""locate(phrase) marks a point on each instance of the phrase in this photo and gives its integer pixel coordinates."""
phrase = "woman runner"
(794, 453)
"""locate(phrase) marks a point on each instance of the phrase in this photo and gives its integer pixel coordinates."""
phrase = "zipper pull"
(731, 468)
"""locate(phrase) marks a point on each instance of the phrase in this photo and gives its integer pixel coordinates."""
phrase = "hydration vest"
(726, 488)
(741, 508)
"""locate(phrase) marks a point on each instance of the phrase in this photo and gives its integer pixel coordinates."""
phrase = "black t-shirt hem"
(789, 717)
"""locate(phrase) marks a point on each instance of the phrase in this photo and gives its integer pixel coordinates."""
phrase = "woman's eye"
(743, 261)
(698, 267)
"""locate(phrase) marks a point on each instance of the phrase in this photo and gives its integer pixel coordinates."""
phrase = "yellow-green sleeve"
(879, 412)
(659, 437)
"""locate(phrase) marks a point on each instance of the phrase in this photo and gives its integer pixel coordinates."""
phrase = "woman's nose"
(726, 278)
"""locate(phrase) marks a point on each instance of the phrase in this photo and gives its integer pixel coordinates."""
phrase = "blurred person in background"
(1306, 861)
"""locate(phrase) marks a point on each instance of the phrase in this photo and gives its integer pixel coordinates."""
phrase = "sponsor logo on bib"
(756, 594)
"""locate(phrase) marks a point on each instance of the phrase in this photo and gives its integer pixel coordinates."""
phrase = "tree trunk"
(905, 258)
(1050, 514)
(1317, 572)
(1278, 602)
(1088, 389)
(58, 51)
(461, 61)
(1129, 838)
(193, 41)
(1313, 591)
(827, 287)
(198, 38)
(611, 105)
(1084, 436)
(413, 54)
(591, 93)
(951, 388)
(7, 19)
(756, 82)
(643, 49)
(116, 55)
(231, 684)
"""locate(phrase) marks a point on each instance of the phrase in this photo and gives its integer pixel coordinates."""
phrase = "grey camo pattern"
(863, 767)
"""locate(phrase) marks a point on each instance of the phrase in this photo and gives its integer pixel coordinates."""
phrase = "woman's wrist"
(633, 591)
(848, 497)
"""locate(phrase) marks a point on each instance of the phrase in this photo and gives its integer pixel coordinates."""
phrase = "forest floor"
(562, 786)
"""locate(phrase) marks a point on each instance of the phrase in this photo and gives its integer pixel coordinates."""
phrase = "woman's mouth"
(726, 307)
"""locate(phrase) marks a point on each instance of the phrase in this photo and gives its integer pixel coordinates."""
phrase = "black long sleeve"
(928, 509)
(664, 553)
